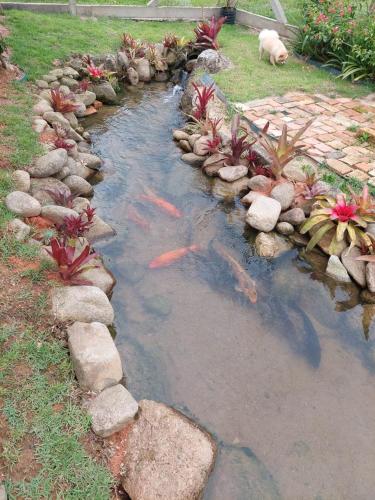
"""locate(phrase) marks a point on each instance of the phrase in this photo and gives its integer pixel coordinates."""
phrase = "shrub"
(206, 34)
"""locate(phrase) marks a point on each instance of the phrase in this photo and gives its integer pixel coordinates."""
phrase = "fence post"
(279, 11)
(73, 7)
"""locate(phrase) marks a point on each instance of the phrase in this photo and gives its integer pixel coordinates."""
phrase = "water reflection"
(286, 384)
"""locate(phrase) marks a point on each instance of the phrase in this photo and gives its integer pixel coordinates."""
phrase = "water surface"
(286, 385)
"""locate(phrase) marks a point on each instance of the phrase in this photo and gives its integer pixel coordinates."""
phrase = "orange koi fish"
(137, 218)
(168, 258)
(161, 203)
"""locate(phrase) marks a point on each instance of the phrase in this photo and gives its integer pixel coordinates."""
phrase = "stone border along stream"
(184, 454)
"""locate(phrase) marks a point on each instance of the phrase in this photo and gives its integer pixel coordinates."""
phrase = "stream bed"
(286, 386)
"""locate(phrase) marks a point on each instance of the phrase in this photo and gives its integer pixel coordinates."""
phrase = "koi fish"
(137, 218)
(245, 284)
(160, 202)
(168, 258)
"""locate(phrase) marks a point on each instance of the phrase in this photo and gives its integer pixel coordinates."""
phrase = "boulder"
(55, 117)
(99, 276)
(41, 84)
(105, 92)
(213, 164)
(355, 268)
(370, 276)
(99, 230)
(112, 410)
(22, 204)
(58, 72)
(368, 297)
(81, 303)
(95, 359)
(271, 245)
(260, 183)
(56, 214)
(3, 492)
(77, 167)
(42, 107)
(49, 78)
(64, 172)
(193, 159)
(72, 119)
(229, 190)
(161, 76)
(87, 98)
(90, 160)
(38, 189)
(21, 180)
(284, 194)
(285, 228)
(166, 456)
(231, 174)
(295, 170)
(39, 125)
(70, 82)
(180, 135)
(132, 76)
(122, 61)
(19, 229)
(80, 204)
(212, 61)
(78, 185)
(68, 71)
(142, 67)
(200, 145)
(294, 216)
(336, 270)
(192, 138)
(250, 197)
(49, 164)
(185, 146)
(263, 213)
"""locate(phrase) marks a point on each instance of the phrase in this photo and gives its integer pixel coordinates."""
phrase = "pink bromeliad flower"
(342, 211)
(95, 72)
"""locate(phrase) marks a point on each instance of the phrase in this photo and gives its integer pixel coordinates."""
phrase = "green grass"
(249, 79)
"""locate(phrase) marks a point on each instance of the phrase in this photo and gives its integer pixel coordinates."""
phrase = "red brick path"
(328, 139)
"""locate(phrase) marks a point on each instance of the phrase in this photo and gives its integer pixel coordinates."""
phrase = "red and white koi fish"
(168, 258)
(136, 217)
(161, 203)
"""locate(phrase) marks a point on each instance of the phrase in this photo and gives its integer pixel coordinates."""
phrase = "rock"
(83, 147)
(99, 276)
(180, 135)
(95, 359)
(325, 242)
(271, 245)
(54, 85)
(56, 117)
(263, 213)
(73, 134)
(49, 78)
(370, 276)
(38, 189)
(229, 190)
(3, 493)
(368, 297)
(122, 61)
(260, 183)
(42, 84)
(19, 229)
(298, 239)
(193, 159)
(212, 61)
(90, 160)
(193, 138)
(99, 230)
(250, 197)
(142, 67)
(39, 125)
(21, 180)
(284, 194)
(185, 146)
(87, 98)
(200, 145)
(80, 204)
(355, 268)
(285, 228)
(132, 76)
(166, 455)
(49, 164)
(79, 168)
(213, 164)
(336, 270)
(56, 214)
(22, 204)
(70, 82)
(105, 92)
(78, 185)
(296, 169)
(81, 303)
(64, 172)
(161, 76)
(234, 173)
(294, 216)
(190, 65)
(58, 72)
(68, 71)
(112, 410)
(72, 119)
(42, 107)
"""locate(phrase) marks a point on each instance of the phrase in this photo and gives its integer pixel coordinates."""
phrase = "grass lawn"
(35, 46)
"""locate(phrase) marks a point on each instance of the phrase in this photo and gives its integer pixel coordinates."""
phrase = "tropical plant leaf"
(340, 231)
(319, 235)
(311, 222)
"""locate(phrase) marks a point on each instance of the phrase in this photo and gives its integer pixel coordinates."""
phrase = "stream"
(286, 386)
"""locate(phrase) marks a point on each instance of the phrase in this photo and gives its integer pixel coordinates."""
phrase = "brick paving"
(333, 138)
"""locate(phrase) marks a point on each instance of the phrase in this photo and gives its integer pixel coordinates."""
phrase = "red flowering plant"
(62, 103)
(344, 217)
(97, 73)
(74, 226)
(206, 34)
(61, 143)
(239, 144)
(203, 97)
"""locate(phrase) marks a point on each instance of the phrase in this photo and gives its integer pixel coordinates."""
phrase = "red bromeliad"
(60, 143)
(76, 226)
(204, 95)
(238, 143)
(95, 73)
(61, 103)
(213, 145)
(342, 211)
(207, 33)
(61, 198)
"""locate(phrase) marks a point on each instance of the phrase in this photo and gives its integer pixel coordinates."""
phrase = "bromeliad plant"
(239, 144)
(347, 218)
(74, 226)
(62, 103)
(206, 34)
(284, 151)
(204, 96)
(61, 198)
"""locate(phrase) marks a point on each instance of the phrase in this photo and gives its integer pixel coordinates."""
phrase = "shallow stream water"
(287, 385)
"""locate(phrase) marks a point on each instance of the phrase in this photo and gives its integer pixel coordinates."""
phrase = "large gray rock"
(38, 189)
(231, 174)
(229, 190)
(99, 276)
(3, 493)
(294, 216)
(70, 82)
(55, 117)
(39, 125)
(19, 229)
(87, 98)
(122, 61)
(250, 197)
(132, 76)
(22, 204)
(81, 303)
(57, 214)
(72, 119)
(95, 359)
(68, 71)
(336, 270)
(77, 167)
(370, 276)
(212, 61)
(193, 159)
(142, 67)
(80, 204)
(271, 245)
(260, 183)
(166, 455)
(355, 268)
(263, 213)
(285, 228)
(296, 169)
(180, 135)
(105, 92)
(49, 164)
(21, 180)
(112, 410)
(41, 107)
(284, 194)
(90, 160)
(201, 144)
(99, 230)
(78, 185)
